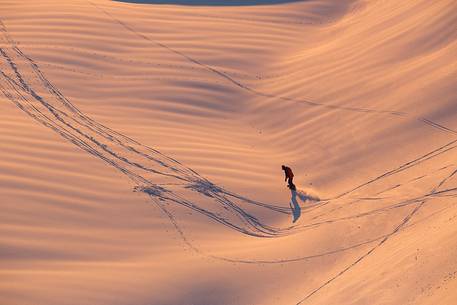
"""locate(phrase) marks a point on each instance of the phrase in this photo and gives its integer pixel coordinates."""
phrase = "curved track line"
(403, 223)
(238, 84)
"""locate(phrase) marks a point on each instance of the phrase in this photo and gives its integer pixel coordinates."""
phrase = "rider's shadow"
(296, 209)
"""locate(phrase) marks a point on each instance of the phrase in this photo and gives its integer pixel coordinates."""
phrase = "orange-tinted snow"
(142, 144)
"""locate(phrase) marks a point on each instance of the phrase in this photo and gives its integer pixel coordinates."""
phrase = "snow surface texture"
(195, 108)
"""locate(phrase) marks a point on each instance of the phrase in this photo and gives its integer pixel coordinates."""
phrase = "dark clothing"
(288, 172)
(289, 176)
(291, 184)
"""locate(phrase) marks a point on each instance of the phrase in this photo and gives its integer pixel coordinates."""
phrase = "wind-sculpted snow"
(150, 170)
(159, 176)
(397, 195)
(306, 102)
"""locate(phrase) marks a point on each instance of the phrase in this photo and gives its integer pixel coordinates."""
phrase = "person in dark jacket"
(289, 176)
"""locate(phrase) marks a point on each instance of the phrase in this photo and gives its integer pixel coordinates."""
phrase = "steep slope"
(142, 144)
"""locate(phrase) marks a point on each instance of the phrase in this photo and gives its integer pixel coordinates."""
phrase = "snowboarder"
(289, 175)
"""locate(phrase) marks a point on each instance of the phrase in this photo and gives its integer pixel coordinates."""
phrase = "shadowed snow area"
(211, 3)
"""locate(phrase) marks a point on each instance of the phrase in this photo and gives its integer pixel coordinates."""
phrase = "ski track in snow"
(225, 76)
